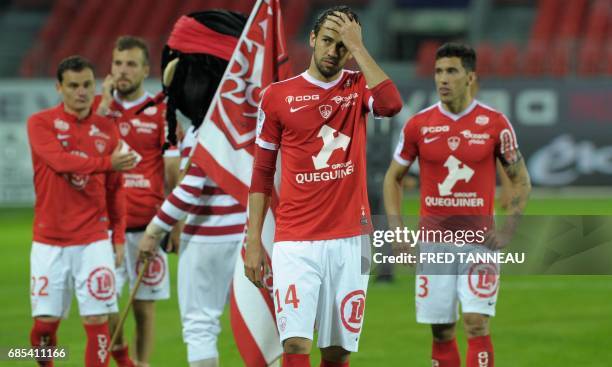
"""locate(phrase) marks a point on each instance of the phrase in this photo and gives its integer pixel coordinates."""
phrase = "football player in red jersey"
(78, 197)
(143, 129)
(457, 142)
(317, 120)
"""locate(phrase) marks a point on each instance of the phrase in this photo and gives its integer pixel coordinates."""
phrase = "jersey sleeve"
(269, 129)
(506, 145)
(48, 149)
(407, 147)
(182, 200)
(383, 100)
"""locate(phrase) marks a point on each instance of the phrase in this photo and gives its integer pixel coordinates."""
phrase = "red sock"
(122, 357)
(43, 334)
(480, 352)
(445, 354)
(296, 360)
(325, 363)
(96, 351)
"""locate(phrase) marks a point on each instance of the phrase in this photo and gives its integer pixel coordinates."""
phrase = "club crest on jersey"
(150, 111)
(100, 145)
(325, 110)
(313, 97)
(124, 128)
(482, 120)
(453, 142)
(61, 125)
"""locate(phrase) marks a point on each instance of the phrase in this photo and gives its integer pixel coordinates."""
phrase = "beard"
(327, 71)
(127, 90)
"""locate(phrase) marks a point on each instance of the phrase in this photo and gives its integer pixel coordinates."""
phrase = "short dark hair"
(72, 63)
(339, 8)
(465, 52)
(129, 42)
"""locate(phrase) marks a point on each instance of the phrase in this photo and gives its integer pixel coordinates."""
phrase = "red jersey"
(145, 133)
(73, 185)
(456, 156)
(320, 129)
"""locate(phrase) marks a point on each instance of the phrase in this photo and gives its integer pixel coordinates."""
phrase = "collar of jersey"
(70, 117)
(130, 104)
(312, 80)
(456, 117)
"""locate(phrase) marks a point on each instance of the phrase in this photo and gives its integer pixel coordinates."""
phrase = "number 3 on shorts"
(423, 290)
(290, 298)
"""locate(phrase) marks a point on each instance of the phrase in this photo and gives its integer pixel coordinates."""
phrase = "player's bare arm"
(255, 258)
(514, 167)
(171, 172)
(350, 34)
(392, 193)
(392, 196)
(119, 249)
(107, 95)
(506, 192)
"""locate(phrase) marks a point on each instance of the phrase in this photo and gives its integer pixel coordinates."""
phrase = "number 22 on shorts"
(290, 298)
(43, 288)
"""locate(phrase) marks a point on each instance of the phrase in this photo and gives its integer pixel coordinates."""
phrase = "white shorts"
(205, 272)
(440, 289)
(319, 284)
(56, 270)
(155, 283)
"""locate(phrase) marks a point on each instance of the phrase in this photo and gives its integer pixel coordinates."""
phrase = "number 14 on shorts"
(291, 298)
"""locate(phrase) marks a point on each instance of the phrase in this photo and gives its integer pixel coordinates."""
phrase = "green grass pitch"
(542, 321)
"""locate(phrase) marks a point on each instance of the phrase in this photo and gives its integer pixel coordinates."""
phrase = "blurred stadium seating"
(547, 38)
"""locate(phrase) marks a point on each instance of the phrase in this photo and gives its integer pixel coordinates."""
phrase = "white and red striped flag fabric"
(225, 152)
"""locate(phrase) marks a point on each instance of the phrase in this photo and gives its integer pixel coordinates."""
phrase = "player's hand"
(174, 241)
(147, 247)
(108, 85)
(348, 28)
(119, 249)
(255, 265)
(122, 161)
(497, 240)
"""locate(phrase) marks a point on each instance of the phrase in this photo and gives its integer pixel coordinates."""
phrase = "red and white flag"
(225, 152)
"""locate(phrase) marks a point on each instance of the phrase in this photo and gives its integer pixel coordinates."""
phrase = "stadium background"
(547, 64)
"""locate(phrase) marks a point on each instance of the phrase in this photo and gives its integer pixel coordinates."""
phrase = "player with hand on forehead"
(457, 142)
(317, 120)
